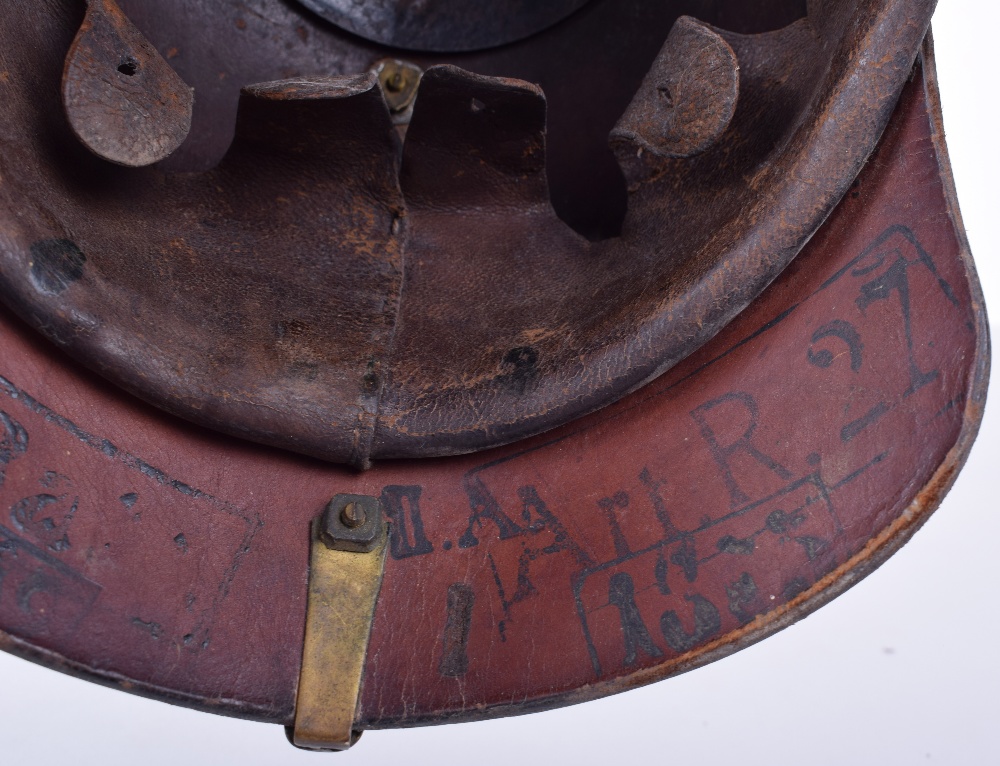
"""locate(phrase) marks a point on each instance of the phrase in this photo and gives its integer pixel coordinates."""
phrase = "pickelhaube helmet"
(384, 364)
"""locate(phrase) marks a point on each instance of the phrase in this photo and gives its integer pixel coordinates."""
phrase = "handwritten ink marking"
(813, 546)
(843, 330)
(791, 514)
(406, 532)
(871, 417)
(253, 524)
(686, 557)
(879, 289)
(13, 442)
(877, 249)
(621, 594)
(153, 628)
(458, 624)
(724, 453)
(742, 594)
(948, 407)
(29, 574)
(107, 448)
(780, 523)
(538, 533)
(655, 391)
(524, 587)
(538, 518)
(608, 505)
(858, 472)
(37, 582)
(888, 247)
(52, 479)
(541, 535)
(660, 507)
(44, 518)
(535, 514)
(736, 546)
(660, 571)
(484, 508)
(707, 623)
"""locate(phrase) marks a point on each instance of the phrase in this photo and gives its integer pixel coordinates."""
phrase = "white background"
(902, 669)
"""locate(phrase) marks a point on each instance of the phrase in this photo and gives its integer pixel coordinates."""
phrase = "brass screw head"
(399, 81)
(353, 516)
(395, 82)
(351, 523)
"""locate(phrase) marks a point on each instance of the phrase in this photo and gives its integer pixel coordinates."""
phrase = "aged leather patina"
(685, 271)
(325, 290)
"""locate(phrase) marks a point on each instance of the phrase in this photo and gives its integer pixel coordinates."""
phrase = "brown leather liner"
(320, 291)
(768, 472)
